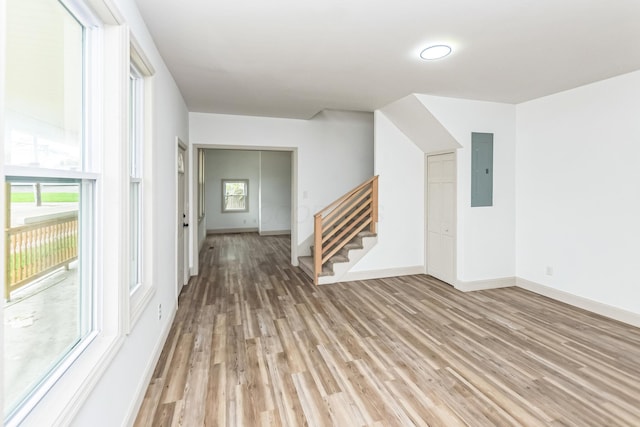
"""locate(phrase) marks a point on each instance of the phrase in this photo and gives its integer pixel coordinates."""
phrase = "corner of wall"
(593, 306)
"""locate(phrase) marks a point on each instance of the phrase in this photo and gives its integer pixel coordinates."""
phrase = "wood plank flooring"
(254, 343)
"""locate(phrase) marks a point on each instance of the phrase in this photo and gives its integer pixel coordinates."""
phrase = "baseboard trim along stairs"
(340, 264)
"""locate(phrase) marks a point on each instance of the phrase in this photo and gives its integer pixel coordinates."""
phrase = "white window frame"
(201, 184)
(136, 207)
(224, 196)
(106, 79)
(88, 178)
(142, 71)
(3, 24)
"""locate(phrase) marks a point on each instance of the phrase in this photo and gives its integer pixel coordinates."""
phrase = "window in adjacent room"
(235, 195)
(201, 186)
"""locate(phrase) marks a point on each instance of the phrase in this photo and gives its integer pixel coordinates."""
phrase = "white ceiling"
(293, 58)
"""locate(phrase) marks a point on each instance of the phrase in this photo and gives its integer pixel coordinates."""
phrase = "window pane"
(201, 187)
(44, 81)
(135, 267)
(136, 118)
(235, 188)
(48, 285)
(235, 195)
(132, 126)
(136, 127)
(234, 202)
(45, 312)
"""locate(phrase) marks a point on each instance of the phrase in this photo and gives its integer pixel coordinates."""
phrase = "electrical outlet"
(159, 311)
(549, 271)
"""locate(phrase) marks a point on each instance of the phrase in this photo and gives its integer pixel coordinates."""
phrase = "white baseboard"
(232, 230)
(274, 232)
(609, 311)
(141, 390)
(480, 285)
(381, 274)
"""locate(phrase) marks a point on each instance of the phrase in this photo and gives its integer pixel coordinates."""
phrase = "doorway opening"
(267, 194)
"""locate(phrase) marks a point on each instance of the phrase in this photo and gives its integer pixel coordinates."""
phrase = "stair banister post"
(374, 205)
(317, 245)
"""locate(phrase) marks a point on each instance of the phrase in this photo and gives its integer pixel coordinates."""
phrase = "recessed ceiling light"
(435, 52)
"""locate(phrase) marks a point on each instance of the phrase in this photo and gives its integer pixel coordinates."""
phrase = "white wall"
(400, 164)
(123, 383)
(333, 151)
(578, 184)
(413, 118)
(486, 235)
(231, 164)
(275, 191)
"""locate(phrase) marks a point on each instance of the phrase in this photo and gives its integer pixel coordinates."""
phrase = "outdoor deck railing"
(36, 249)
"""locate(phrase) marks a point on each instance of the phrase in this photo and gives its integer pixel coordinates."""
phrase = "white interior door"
(441, 217)
(183, 220)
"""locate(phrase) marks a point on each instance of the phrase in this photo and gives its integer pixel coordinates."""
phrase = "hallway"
(254, 343)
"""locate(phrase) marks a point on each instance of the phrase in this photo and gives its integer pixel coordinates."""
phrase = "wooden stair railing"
(341, 221)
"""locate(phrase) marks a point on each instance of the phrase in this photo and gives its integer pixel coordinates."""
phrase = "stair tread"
(339, 258)
(367, 234)
(353, 245)
(360, 234)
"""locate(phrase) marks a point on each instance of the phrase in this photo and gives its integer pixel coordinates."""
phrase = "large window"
(235, 195)
(140, 167)
(50, 205)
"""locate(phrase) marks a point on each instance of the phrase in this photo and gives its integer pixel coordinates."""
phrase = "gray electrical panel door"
(481, 169)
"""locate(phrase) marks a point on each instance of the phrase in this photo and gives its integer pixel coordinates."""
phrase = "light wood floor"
(254, 343)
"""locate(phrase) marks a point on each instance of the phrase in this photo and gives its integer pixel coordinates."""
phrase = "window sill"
(138, 301)
(61, 402)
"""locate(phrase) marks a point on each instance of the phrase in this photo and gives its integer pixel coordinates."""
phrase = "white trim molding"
(275, 232)
(232, 230)
(381, 274)
(609, 311)
(480, 285)
(596, 307)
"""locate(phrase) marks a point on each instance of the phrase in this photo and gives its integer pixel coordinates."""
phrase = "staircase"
(344, 232)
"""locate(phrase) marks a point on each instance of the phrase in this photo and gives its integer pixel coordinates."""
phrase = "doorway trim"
(294, 193)
(181, 145)
(455, 209)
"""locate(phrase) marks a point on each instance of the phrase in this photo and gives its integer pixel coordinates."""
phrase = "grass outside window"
(46, 197)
